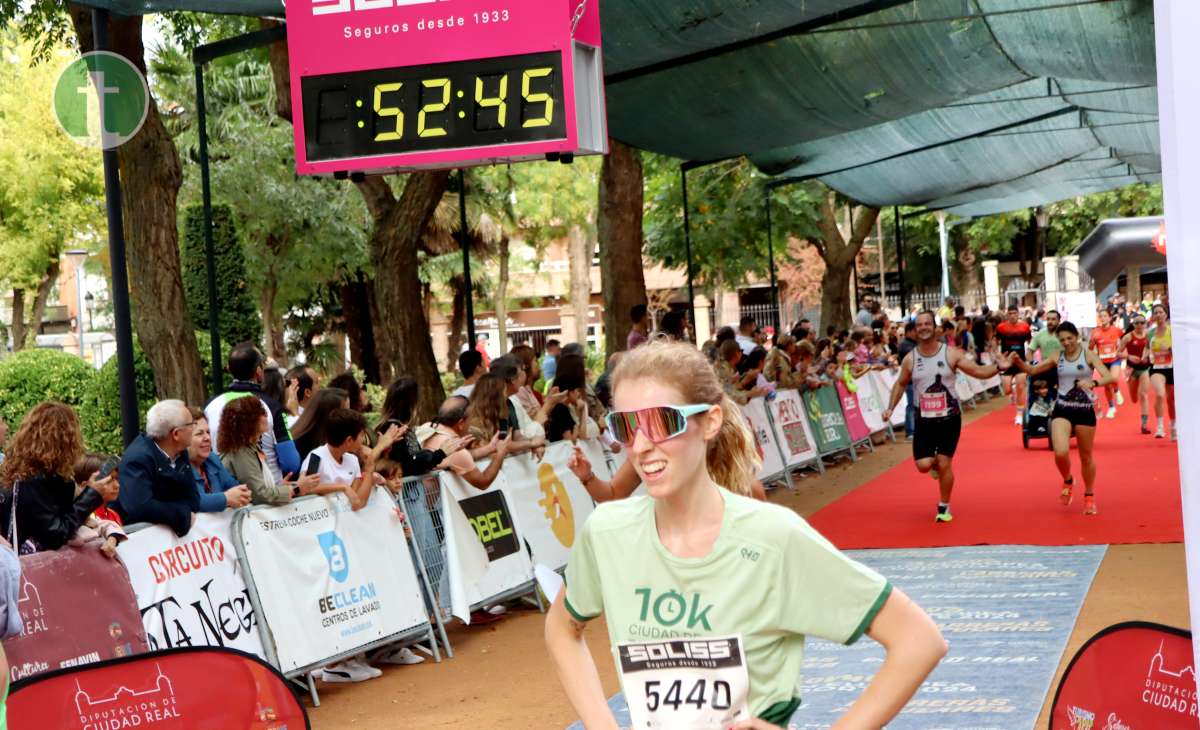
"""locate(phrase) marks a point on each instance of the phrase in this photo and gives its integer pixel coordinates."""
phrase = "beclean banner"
(76, 608)
(852, 413)
(884, 380)
(330, 579)
(190, 589)
(550, 502)
(489, 521)
(871, 401)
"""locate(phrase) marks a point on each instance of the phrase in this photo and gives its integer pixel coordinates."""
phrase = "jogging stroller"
(1035, 420)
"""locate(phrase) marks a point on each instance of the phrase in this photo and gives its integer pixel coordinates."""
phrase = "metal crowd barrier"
(303, 675)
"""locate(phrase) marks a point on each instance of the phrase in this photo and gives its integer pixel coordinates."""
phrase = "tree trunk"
(19, 333)
(458, 319)
(502, 294)
(619, 228)
(272, 323)
(579, 261)
(966, 273)
(839, 249)
(360, 326)
(150, 179)
(43, 293)
(403, 340)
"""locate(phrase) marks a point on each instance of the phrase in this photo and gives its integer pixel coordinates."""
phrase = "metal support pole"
(944, 245)
(900, 261)
(116, 253)
(687, 242)
(771, 265)
(466, 252)
(79, 307)
(214, 323)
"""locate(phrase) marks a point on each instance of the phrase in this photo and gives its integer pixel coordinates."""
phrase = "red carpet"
(1006, 495)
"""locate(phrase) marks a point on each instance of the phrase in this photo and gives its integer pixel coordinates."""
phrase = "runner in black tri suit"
(1013, 333)
(931, 368)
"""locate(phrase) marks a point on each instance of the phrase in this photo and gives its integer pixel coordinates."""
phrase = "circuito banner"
(329, 579)
(884, 380)
(1130, 675)
(77, 608)
(825, 414)
(179, 689)
(190, 589)
(871, 402)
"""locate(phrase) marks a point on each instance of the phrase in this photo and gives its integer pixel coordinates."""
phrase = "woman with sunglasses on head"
(1162, 369)
(734, 583)
(1135, 350)
(1074, 411)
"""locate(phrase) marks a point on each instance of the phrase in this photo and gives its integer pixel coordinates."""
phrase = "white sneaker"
(402, 656)
(1017, 420)
(1174, 434)
(1120, 398)
(1112, 412)
(498, 610)
(361, 662)
(347, 671)
(1159, 433)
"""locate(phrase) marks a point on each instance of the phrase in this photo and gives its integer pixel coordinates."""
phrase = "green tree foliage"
(727, 216)
(51, 189)
(237, 315)
(32, 376)
(100, 414)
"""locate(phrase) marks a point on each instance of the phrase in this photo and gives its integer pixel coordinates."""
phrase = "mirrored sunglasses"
(659, 423)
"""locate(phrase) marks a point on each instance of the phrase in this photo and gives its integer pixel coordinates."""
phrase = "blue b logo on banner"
(335, 553)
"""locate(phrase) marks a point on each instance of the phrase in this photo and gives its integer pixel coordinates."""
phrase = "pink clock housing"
(399, 85)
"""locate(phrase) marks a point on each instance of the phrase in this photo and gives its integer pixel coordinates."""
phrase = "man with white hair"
(156, 478)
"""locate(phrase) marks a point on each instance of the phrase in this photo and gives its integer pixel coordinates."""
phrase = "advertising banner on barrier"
(489, 520)
(764, 437)
(1131, 675)
(550, 502)
(976, 385)
(871, 402)
(885, 379)
(852, 413)
(165, 690)
(190, 589)
(331, 580)
(792, 431)
(77, 608)
(962, 387)
(824, 411)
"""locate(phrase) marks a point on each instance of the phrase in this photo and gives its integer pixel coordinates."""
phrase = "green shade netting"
(888, 101)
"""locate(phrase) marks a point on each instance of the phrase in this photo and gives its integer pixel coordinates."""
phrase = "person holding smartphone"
(343, 464)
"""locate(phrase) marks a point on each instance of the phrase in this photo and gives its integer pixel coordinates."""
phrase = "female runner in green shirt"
(708, 594)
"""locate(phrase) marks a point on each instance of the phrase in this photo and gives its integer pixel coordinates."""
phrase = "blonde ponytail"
(732, 458)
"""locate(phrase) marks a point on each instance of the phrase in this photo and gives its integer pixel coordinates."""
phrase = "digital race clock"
(396, 85)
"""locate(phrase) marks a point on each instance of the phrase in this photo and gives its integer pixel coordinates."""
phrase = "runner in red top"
(1135, 350)
(1106, 342)
(1013, 333)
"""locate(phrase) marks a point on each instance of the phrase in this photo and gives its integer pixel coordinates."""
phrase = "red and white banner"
(764, 437)
(793, 432)
(190, 589)
(872, 399)
(1129, 676)
(179, 689)
(331, 580)
(77, 608)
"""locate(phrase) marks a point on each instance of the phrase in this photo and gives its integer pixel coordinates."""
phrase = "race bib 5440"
(685, 684)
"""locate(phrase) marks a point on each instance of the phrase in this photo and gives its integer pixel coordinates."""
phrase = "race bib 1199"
(681, 684)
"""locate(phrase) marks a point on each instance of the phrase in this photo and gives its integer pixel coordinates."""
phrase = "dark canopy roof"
(973, 106)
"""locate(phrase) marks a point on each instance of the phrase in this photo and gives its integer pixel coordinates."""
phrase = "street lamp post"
(76, 258)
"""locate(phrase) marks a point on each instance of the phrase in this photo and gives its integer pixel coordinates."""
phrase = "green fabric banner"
(828, 425)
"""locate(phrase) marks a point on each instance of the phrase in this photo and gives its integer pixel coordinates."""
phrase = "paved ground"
(501, 677)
